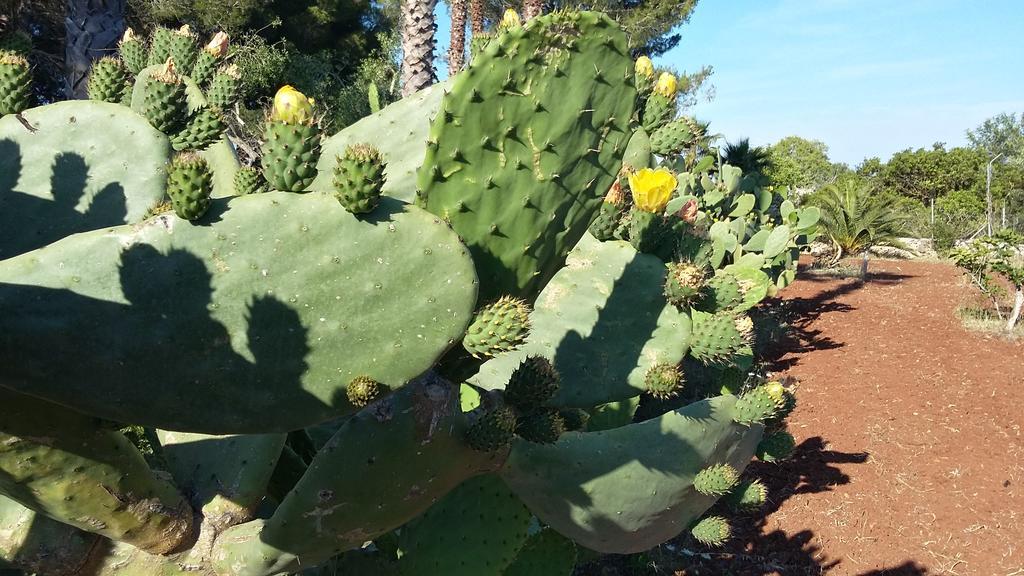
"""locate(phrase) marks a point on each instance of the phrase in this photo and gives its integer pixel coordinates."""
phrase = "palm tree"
(476, 16)
(418, 28)
(855, 220)
(457, 50)
(92, 29)
(754, 160)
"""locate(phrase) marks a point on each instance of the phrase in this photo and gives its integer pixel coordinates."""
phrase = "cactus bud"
(688, 211)
(218, 46)
(292, 107)
(652, 189)
(663, 381)
(667, 85)
(712, 531)
(716, 480)
(645, 67)
(510, 19)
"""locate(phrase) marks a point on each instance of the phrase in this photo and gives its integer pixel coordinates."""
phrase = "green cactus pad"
(776, 447)
(638, 479)
(80, 166)
(63, 464)
(254, 322)
(546, 553)
(528, 141)
(683, 283)
(226, 477)
(712, 531)
(15, 83)
(492, 431)
(715, 339)
(498, 328)
(540, 425)
(476, 530)
(289, 155)
(249, 180)
(225, 88)
(663, 381)
(164, 102)
(204, 128)
(399, 132)
(189, 185)
(385, 466)
(672, 138)
(747, 496)
(206, 65)
(716, 480)
(478, 43)
(359, 178)
(576, 419)
(38, 544)
(133, 52)
(607, 295)
(160, 45)
(363, 391)
(532, 384)
(109, 80)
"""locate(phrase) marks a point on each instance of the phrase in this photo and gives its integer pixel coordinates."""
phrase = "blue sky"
(867, 77)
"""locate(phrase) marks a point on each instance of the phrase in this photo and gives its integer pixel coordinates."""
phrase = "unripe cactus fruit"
(608, 217)
(663, 381)
(712, 531)
(15, 84)
(183, 49)
(359, 178)
(209, 57)
(291, 145)
(576, 419)
(532, 384)
(189, 184)
(660, 109)
(493, 430)
(756, 406)
(160, 45)
(249, 180)
(721, 293)
(204, 128)
(673, 137)
(164, 101)
(716, 480)
(133, 51)
(363, 391)
(683, 283)
(541, 426)
(776, 447)
(497, 328)
(224, 88)
(714, 338)
(747, 496)
(109, 79)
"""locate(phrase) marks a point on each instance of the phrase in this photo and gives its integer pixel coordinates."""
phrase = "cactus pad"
(359, 178)
(715, 338)
(15, 83)
(576, 419)
(606, 295)
(532, 384)
(498, 328)
(776, 446)
(716, 480)
(638, 479)
(272, 333)
(540, 425)
(712, 531)
(189, 185)
(518, 162)
(37, 544)
(546, 553)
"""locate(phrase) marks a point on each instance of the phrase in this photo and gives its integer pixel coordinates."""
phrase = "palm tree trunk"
(1018, 304)
(532, 8)
(457, 51)
(418, 28)
(92, 29)
(476, 16)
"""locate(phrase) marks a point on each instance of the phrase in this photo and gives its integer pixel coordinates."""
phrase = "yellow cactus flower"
(292, 107)
(510, 19)
(645, 67)
(652, 189)
(667, 85)
(218, 46)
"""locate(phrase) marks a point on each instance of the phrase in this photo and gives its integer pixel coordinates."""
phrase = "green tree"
(800, 164)
(753, 160)
(1001, 135)
(928, 174)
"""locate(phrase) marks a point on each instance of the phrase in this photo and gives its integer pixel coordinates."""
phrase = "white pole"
(988, 190)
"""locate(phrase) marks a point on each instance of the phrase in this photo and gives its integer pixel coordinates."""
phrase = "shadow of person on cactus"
(28, 222)
(186, 359)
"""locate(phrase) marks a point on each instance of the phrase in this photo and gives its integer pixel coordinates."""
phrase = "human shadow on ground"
(28, 221)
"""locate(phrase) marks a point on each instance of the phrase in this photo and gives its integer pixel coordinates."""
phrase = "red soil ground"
(910, 456)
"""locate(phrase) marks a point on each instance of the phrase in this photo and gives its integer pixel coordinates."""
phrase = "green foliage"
(755, 161)
(1002, 134)
(987, 258)
(854, 219)
(800, 164)
(929, 174)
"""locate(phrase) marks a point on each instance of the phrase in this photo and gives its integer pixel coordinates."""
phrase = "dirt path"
(911, 453)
